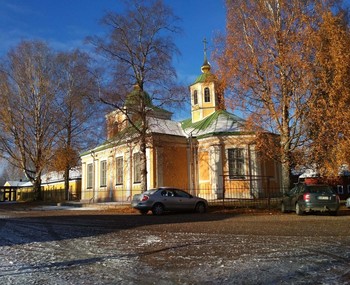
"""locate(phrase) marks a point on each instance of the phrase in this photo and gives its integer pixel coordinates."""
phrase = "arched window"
(206, 94)
(195, 97)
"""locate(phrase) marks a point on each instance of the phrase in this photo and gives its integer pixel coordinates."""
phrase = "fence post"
(268, 194)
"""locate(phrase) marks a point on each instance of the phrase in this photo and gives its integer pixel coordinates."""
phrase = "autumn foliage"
(328, 127)
(285, 66)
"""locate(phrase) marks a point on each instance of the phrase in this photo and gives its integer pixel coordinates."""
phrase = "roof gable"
(219, 122)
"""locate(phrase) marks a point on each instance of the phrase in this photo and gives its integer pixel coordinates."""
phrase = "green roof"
(118, 139)
(206, 122)
(134, 98)
(205, 77)
(220, 122)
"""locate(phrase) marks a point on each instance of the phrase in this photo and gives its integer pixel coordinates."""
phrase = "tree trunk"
(285, 176)
(37, 188)
(285, 156)
(143, 171)
(66, 183)
(143, 146)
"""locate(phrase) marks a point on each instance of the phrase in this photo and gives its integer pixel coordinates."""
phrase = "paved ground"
(58, 245)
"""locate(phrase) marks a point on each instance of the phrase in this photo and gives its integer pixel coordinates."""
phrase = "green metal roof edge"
(118, 139)
(186, 123)
(204, 77)
(156, 108)
(206, 122)
(224, 134)
(133, 98)
(107, 144)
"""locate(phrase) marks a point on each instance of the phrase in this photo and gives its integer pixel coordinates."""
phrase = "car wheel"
(298, 210)
(158, 209)
(283, 208)
(143, 212)
(201, 208)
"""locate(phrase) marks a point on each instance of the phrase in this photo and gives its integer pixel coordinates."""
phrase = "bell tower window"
(195, 97)
(206, 95)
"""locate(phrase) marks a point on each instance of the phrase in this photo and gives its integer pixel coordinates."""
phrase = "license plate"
(323, 198)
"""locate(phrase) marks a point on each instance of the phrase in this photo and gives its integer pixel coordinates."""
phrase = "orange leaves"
(328, 127)
(287, 66)
(65, 157)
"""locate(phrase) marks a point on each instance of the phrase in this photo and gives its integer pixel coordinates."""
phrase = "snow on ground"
(174, 249)
(62, 208)
(183, 258)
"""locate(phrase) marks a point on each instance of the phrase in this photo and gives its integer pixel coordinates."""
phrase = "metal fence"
(237, 197)
(47, 195)
(8, 193)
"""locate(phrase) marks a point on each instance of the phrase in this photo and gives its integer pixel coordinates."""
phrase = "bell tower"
(204, 97)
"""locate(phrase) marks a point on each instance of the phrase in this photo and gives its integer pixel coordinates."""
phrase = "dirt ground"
(64, 245)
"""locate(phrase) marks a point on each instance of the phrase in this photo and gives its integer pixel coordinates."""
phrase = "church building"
(210, 155)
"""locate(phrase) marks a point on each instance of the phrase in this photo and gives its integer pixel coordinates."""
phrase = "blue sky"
(65, 24)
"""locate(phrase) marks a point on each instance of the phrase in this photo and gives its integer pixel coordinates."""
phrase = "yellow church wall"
(209, 111)
(237, 189)
(87, 194)
(196, 116)
(102, 195)
(204, 186)
(152, 169)
(120, 194)
(204, 190)
(203, 161)
(173, 167)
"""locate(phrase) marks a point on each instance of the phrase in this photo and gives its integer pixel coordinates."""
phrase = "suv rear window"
(320, 189)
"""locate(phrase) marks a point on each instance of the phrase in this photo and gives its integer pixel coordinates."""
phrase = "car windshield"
(320, 189)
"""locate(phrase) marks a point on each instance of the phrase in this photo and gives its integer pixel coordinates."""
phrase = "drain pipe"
(93, 175)
(250, 171)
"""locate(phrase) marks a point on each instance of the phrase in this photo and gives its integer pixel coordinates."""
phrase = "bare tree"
(267, 64)
(140, 48)
(28, 121)
(77, 109)
(10, 172)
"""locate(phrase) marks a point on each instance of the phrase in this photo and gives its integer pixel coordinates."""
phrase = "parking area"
(60, 245)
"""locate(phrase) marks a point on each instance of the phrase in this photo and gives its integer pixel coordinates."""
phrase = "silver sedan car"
(167, 199)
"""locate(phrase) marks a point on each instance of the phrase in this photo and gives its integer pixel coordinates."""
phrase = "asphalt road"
(58, 245)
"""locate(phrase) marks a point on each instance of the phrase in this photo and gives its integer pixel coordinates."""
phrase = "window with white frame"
(119, 170)
(103, 173)
(195, 97)
(235, 162)
(206, 94)
(340, 189)
(137, 167)
(89, 171)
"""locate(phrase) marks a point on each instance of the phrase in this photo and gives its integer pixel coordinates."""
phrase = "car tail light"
(306, 197)
(145, 198)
